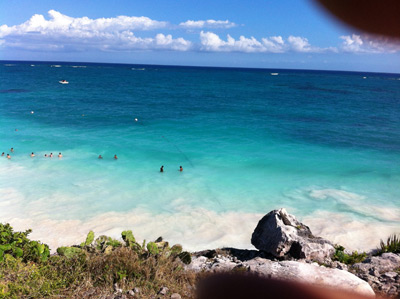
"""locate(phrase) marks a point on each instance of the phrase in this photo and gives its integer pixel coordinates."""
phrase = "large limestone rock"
(281, 234)
(310, 273)
(381, 272)
(285, 270)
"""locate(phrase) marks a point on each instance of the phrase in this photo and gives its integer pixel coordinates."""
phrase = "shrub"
(17, 244)
(392, 245)
(90, 270)
(348, 259)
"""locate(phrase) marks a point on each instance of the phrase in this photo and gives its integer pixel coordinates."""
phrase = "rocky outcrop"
(303, 272)
(282, 235)
(381, 272)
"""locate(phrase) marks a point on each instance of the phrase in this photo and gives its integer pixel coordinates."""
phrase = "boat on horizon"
(63, 82)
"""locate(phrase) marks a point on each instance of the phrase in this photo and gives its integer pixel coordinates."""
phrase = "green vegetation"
(27, 271)
(392, 245)
(348, 259)
(18, 245)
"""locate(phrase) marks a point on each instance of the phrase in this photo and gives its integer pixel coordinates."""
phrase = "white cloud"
(212, 42)
(299, 44)
(62, 32)
(274, 44)
(367, 44)
(190, 24)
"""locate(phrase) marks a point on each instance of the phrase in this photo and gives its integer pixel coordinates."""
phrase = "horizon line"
(200, 66)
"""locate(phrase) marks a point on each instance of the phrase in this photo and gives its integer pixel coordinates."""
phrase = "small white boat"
(63, 82)
(274, 74)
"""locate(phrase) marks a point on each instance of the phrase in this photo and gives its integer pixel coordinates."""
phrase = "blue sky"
(265, 34)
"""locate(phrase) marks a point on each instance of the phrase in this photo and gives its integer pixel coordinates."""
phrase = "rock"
(175, 296)
(387, 262)
(159, 239)
(69, 251)
(281, 234)
(374, 272)
(100, 242)
(310, 273)
(223, 264)
(108, 249)
(131, 293)
(198, 264)
(391, 275)
(117, 289)
(163, 291)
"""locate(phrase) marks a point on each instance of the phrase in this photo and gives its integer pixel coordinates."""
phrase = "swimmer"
(12, 149)
(162, 168)
(45, 155)
(180, 168)
(32, 155)
(51, 155)
(8, 156)
(2, 154)
(100, 157)
(59, 155)
(115, 157)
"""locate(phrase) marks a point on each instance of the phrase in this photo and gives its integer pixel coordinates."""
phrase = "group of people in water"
(162, 168)
(32, 154)
(60, 156)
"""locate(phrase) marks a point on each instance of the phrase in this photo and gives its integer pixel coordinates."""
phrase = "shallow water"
(324, 145)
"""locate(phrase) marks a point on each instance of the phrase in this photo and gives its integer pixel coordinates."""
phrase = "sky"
(291, 34)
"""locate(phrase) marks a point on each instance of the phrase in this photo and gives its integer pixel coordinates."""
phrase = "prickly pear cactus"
(89, 238)
(128, 237)
(176, 249)
(185, 257)
(152, 248)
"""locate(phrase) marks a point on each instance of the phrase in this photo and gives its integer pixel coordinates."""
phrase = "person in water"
(115, 157)
(8, 156)
(45, 155)
(12, 149)
(51, 155)
(162, 168)
(32, 155)
(2, 154)
(59, 155)
(100, 157)
(180, 168)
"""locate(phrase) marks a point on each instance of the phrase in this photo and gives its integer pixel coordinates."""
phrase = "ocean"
(324, 145)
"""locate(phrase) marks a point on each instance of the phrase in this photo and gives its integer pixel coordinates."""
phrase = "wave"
(194, 227)
(357, 204)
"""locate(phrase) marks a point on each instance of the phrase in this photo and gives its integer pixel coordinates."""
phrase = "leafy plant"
(392, 245)
(348, 259)
(152, 248)
(18, 245)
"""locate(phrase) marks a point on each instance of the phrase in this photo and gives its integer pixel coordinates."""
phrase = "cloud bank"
(190, 24)
(274, 44)
(64, 33)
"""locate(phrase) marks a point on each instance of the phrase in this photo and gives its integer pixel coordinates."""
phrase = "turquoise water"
(324, 145)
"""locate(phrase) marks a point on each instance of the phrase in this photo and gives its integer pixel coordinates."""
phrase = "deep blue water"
(324, 145)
